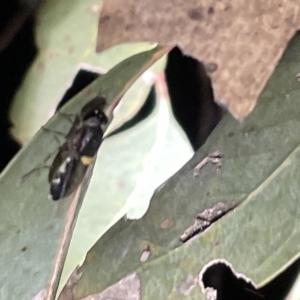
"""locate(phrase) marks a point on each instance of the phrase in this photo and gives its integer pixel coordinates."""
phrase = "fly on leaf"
(76, 154)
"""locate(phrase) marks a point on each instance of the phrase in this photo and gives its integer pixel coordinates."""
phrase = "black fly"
(76, 154)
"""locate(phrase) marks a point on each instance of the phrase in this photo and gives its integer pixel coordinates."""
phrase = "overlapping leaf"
(259, 174)
(34, 231)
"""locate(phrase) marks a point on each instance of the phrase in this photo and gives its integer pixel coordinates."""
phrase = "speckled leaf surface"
(260, 175)
(66, 34)
(35, 231)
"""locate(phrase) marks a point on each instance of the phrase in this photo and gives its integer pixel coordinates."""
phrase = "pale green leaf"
(66, 36)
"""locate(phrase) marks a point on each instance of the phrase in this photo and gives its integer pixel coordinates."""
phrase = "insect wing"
(74, 136)
(66, 173)
(76, 176)
(94, 123)
(91, 141)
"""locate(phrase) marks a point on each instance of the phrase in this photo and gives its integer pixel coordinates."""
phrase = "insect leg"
(33, 171)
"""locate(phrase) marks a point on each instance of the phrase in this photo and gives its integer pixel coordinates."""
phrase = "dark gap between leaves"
(82, 79)
(192, 97)
(15, 58)
(220, 277)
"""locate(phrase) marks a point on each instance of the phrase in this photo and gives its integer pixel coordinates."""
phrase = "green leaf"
(260, 175)
(35, 232)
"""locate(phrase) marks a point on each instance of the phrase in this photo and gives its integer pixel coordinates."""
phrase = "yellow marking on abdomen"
(86, 160)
